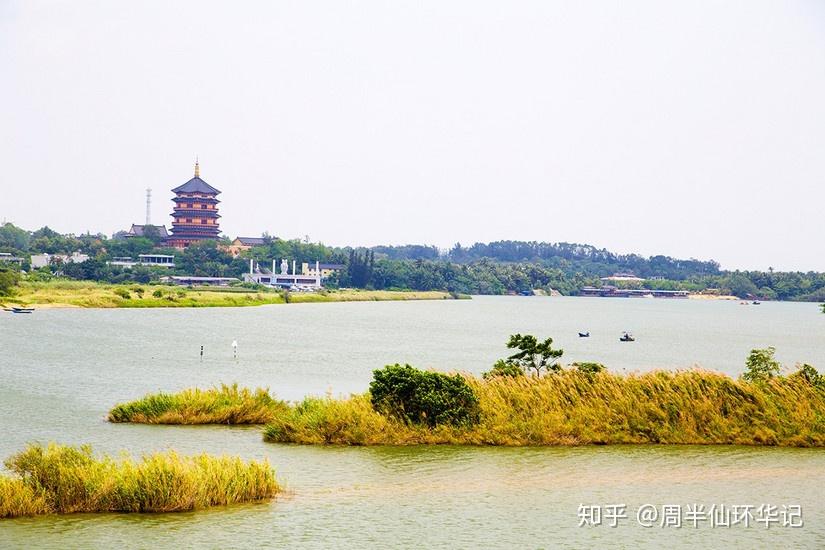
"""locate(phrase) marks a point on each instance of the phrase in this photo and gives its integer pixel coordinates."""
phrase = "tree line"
(482, 268)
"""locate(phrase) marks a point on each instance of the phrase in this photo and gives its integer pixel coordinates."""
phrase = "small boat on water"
(756, 302)
(21, 309)
(626, 338)
(584, 334)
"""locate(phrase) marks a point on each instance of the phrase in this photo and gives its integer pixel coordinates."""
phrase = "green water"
(61, 370)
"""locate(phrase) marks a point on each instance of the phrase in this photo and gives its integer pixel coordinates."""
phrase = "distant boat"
(584, 334)
(626, 338)
(756, 302)
(22, 309)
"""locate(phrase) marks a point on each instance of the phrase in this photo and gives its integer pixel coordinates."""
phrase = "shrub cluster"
(423, 397)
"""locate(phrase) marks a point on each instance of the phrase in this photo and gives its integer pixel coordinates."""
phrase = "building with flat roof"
(623, 277)
(8, 258)
(324, 270)
(149, 260)
(187, 280)
(284, 279)
(42, 260)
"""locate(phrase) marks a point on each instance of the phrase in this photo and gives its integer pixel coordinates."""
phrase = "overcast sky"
(691, 128)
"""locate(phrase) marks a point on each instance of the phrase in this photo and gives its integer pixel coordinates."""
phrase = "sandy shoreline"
(712, 297)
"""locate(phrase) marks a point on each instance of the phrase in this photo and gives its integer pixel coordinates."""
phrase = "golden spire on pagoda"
(197, 168)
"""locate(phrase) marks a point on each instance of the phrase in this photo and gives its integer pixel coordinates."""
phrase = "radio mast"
(148, 206)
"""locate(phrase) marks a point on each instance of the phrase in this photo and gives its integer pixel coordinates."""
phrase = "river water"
(61, 370)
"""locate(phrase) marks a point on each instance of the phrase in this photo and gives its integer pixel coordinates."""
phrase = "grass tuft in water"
(223, 405)
(65, 479)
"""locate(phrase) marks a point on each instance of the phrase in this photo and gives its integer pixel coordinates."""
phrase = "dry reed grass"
(64, 479)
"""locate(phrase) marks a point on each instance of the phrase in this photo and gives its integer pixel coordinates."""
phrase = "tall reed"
(223, 405)
(574, 408)
(65, 479)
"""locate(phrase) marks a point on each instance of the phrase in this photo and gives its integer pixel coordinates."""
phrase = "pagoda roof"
(196, 185)
(251, 241)
(144, 230)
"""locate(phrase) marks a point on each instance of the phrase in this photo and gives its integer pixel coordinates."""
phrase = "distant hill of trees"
(582, 257)
(482, 268)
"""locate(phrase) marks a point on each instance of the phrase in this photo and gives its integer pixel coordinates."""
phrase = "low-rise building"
(6, 257)
(149, 231)
(42, 260)
(284, 279)
(614, 292)
(186, 280)
(243, 243)
(324, 270)
(149, 260)
(623, 277)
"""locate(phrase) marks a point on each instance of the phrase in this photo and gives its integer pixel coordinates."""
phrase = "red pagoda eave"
(193, 227)
(194, 212)
(208, 200)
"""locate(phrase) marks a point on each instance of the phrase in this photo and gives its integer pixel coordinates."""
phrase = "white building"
(42, 260)
(284, 279)
(149, 260)
(8, 258)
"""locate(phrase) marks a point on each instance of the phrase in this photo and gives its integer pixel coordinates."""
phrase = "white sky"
(692, 128)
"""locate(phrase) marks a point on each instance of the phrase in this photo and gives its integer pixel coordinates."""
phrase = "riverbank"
(354, 295)
(567, 408)
(88, 294)
(700, 296)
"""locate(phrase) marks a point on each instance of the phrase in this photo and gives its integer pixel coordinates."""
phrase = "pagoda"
(196, 212)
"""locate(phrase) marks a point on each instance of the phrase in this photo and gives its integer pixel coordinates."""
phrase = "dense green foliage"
(9, 279)
(587, 258)
(423, 397)
(588, 367)
(534, 355)
(503, 367)
(810, 375)
(760, 365)
(482, 268)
